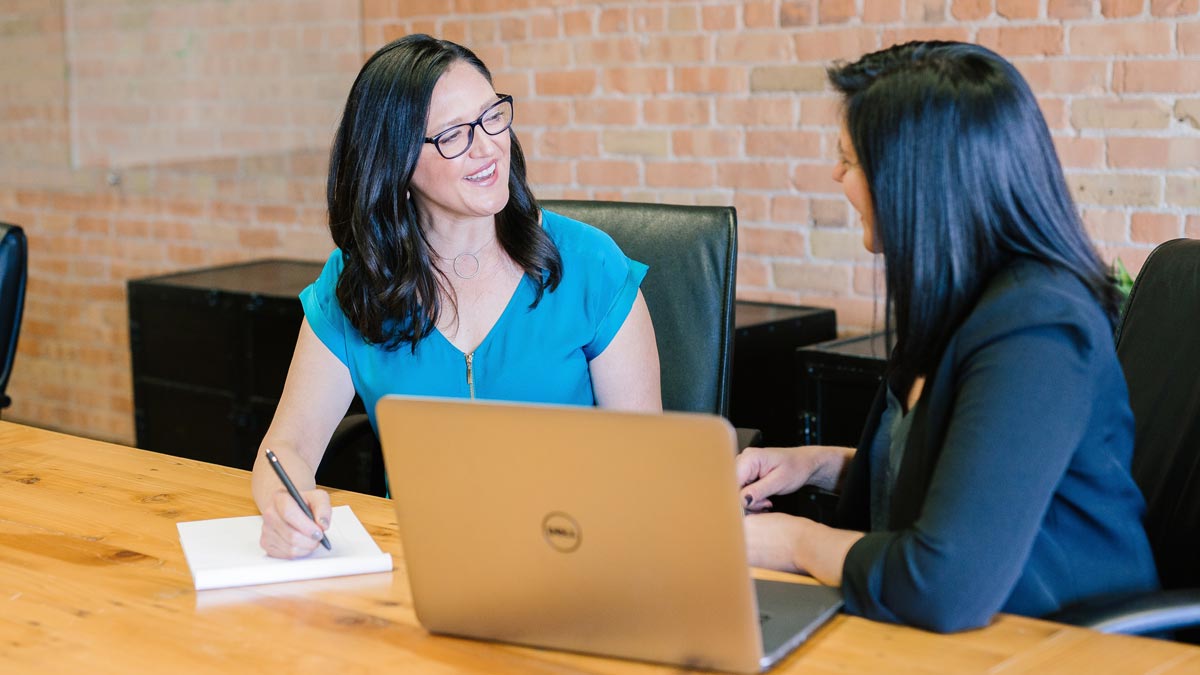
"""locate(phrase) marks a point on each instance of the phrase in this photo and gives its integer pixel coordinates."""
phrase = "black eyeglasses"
(457, 139)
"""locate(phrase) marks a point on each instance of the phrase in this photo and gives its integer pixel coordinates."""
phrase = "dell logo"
(561, 532)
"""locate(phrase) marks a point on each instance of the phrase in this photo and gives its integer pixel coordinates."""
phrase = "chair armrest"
(1136, 614)
(747, 437)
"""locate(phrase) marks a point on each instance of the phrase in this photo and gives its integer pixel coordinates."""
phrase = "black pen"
(287, 483)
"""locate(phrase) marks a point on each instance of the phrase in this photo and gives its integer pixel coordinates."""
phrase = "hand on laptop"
(763, 472)
(287, 532)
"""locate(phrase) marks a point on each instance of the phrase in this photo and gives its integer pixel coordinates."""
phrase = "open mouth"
(483, 175)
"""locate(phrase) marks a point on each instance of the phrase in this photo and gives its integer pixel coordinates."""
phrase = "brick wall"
(683, 101)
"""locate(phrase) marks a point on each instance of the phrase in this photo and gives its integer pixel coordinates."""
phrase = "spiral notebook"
(224, 552)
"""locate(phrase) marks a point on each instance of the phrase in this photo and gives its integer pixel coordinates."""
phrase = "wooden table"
(92, 580)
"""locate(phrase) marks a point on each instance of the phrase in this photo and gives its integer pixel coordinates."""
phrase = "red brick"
(1189, 38)
(781, 143)
(678, 111)
(970, 10)
(636, 80)
(1014, 41)
(789, 209)
(543, 26)
(676, 48)
(1156, 76)
(542, 112)
(1154, 228)
(830, 212)
(683, 19)
(760, 175)
(1069, 9)
(1018, 9)
(881, 11)
(1115, 9)
(719, 17)
(756, 111)
(1174, 7)
(649, 19)
(1065, 77)
(1128, 39)
(616, 51)
(836, 11)
(760, 14)
(607, 172)
(710, 79)
(565, 82)
(840, 43)
(783, 243)
(1106, 224)
(750, 272)
(926, 11)
(613, 20)
(607, 111)
(578, 22)
(680, 174)
(568, 143)
(754, 47)
(796, 13)
(1178, 154)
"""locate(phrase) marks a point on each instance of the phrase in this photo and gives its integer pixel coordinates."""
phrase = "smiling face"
(854, 185)
(474, 184)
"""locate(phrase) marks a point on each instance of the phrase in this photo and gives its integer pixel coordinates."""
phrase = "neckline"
(508, 309)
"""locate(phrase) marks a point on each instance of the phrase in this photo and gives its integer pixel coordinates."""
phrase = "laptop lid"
(574, 528)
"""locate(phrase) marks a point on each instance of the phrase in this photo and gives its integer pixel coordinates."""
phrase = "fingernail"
(749, 500)
(325, 522)
(316, 536)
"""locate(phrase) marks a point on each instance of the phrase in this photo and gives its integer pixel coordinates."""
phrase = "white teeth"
(485, 174)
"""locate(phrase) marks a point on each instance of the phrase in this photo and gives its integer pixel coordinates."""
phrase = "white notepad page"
(224, 552)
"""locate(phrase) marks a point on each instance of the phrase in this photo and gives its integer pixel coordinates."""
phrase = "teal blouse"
(537, 355)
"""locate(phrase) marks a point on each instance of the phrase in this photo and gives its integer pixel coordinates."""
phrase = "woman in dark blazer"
(993, 474)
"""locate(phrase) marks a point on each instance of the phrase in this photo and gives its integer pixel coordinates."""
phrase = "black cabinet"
(210, 352)
(837, 384)
(764, 392)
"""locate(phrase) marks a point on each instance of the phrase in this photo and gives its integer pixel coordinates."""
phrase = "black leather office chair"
(689, 290)
(13, 271)
(1158, 343)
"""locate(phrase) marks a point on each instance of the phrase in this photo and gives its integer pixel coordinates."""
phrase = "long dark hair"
(389, 287)
(963, 178)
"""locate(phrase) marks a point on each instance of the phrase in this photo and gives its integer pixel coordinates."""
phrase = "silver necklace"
(466, 265)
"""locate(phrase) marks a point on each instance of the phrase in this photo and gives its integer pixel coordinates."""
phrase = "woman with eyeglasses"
(448, 279)
(994, 471)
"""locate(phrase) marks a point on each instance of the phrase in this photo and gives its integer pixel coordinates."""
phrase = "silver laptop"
(586, 530)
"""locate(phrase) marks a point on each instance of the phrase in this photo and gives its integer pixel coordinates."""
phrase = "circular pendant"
(466, 265)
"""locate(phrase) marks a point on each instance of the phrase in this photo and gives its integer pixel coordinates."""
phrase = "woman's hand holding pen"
(294, 520)
(287, 532)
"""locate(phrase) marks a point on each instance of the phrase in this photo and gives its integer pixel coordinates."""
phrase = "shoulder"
(1030, 295)
(576, 239)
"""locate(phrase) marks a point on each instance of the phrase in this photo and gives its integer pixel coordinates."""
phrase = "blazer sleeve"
(1021, 405)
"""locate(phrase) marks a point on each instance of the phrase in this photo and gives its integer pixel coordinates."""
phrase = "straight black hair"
(389, 286)
(964, 178)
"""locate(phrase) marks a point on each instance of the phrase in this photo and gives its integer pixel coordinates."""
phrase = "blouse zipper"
(471, 374)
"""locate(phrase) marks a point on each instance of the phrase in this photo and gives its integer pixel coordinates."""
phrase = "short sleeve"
(618, 286)
(321, 308)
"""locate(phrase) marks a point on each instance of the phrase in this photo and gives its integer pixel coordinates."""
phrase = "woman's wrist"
(831, 462)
